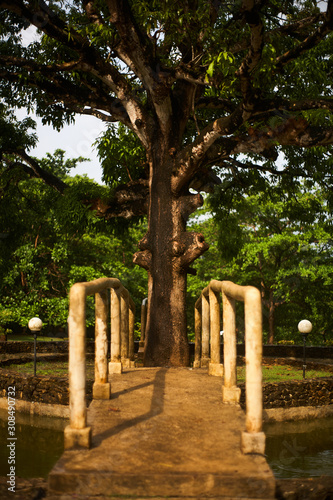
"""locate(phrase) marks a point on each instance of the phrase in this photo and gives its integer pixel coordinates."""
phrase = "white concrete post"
(230, 392)
(215, 366)
(131, 326)
(115, 363)
(205, 330)
(77, 434)
(143, 327)
(101, 387)
(197, 333)
(124, 329)
(253, 439)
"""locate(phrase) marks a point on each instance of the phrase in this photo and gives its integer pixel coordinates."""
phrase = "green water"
(300, 449)
(39, 444)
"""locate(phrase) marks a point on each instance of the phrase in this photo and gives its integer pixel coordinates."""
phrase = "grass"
(283, 373)
(30, 338)
(50, 369)
(271, 373)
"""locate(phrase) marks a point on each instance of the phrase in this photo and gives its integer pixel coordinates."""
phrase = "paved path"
(164, 433)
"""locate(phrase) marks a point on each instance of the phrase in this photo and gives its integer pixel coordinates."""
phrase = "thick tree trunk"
(166, 252)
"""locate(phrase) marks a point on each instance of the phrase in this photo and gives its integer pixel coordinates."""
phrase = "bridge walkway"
(164, 433)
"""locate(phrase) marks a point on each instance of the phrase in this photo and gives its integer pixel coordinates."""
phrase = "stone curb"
(43, 409)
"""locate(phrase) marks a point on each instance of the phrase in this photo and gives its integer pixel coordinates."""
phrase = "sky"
(76, 140)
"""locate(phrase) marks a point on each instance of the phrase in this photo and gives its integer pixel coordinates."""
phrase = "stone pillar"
(101, 387)
(230, 391)
(205, 330)
(197, 332)
(124, 329)
(115, 363)
(143, 328)
(131, 327)
(77, 434)
(253, 439)
(215, 366)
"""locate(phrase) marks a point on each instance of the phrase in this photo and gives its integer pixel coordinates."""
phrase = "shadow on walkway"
(156, 407)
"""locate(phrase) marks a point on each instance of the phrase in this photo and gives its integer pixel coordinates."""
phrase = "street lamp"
(304, 327)
(35, 325)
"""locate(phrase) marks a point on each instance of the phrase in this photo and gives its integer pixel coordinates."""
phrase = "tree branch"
(193, 156)
(195, 246)
(136, 50)
(311, 41)
(128, 200)
(253, 57)
(292, 132)
(41, 16)
(34, 169)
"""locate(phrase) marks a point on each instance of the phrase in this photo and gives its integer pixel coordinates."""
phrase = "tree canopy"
(48, 242)
(207, 92)
(284, 247)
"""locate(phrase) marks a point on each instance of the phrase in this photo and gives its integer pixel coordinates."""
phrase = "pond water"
(300, 449)
(39, 444)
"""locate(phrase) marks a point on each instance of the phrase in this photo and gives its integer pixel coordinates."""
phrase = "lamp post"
(304, 327)
(35, 325)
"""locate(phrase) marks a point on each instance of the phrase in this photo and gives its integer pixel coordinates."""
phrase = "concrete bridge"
(164, 432)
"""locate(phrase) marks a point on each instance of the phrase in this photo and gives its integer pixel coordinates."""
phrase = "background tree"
(199, 84)
(49, 242)
(284, 247)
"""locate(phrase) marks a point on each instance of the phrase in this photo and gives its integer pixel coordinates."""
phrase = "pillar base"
(77, 438)
(215, 369)
(204, 362)
(253, 442)
(141, 350)
(196, 364)
(101, 391)
(231, 395)
(126, 362)
(115, 367)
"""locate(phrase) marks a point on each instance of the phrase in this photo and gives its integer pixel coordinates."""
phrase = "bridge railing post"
(253, 439)
(230, 391)
(101, 387)
(124, 330)
(131, 328)
(77, 433)
(144, 307)
(115, 360)
(207, 323)
(197, 330)
(205, 335)
(215, 367)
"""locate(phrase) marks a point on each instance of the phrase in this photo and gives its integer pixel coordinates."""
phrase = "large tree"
(200, 84)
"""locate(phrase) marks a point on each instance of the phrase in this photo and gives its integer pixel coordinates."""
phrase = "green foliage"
(282, 244)
(273, 231)
(49, 242)
(122, 156)
(15, 135)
